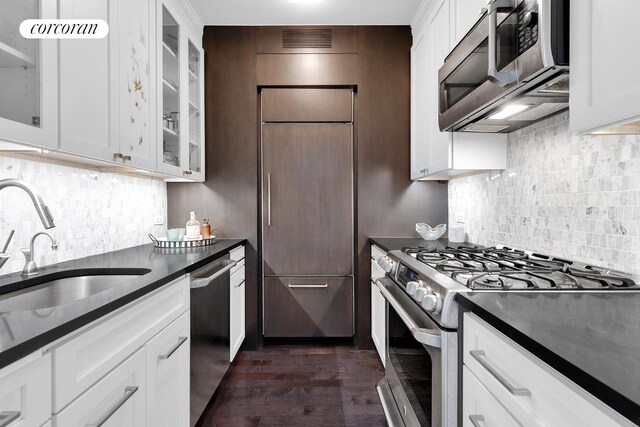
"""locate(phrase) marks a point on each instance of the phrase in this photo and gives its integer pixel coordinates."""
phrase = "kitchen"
(214, 213)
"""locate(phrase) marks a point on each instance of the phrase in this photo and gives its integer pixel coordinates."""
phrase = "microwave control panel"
(527, 25)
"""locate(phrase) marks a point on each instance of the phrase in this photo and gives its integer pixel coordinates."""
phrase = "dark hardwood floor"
(300, 386)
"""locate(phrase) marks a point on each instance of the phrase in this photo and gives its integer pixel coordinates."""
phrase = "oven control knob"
(413, 285)
(386, 264)
(432, 303)
(420, 293)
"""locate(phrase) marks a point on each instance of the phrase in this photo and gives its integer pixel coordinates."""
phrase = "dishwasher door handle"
(201, 282)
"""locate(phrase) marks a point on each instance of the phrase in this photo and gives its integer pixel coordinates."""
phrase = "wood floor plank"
(299, 386)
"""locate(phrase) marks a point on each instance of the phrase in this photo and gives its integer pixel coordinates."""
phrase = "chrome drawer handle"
(476, 420)
(181, 340)
(479, 355)
(269, 199)
(239, 284)
(309, 286)
(7, 417)
(128, 392)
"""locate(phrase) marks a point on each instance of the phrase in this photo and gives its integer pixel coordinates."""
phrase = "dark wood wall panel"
(389, 203)
(229, 197)
(307, 105)
(307, 69)
(341, 39)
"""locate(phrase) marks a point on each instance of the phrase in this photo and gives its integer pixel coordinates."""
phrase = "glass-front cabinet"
(28, 77)
(180, 97)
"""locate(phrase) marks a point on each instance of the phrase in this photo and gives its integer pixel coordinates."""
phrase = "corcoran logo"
(64, 29)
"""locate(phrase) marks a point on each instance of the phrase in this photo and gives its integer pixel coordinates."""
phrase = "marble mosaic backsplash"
(576, 197)
(94, 212)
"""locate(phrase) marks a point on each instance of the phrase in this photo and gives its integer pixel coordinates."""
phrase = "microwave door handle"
(499, 78)
(428, 337)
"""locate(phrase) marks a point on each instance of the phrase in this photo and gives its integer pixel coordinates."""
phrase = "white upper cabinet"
(437, 28)
(28, 77)
(88, 110)
(605, 88)
(180, 93)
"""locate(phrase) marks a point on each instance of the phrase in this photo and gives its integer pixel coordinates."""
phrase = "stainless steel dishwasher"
(210, 290)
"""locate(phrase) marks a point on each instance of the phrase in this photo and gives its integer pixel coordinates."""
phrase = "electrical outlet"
(460, 219)
(158, 220)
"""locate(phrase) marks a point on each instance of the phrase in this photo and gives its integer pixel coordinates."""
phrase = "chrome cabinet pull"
(126, 158)
(239, 284)
(476, 420)
(117, 155)
(323, 286)
(7, 417)
(181, 340)
(202, 282)
(128, 392)
(269, 199)
(429, 337)
(479, 355)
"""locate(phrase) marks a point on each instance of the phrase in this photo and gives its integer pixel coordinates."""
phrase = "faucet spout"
(38, 202)
(30, 267)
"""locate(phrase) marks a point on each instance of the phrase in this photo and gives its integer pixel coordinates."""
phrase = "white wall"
(569, 196)
(94, 212)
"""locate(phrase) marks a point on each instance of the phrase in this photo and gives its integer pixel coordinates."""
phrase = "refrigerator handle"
(269, 199)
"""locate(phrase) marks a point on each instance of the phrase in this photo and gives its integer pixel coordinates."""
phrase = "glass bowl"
(430, 233)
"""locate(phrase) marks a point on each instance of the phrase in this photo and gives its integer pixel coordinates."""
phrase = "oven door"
(421, 359)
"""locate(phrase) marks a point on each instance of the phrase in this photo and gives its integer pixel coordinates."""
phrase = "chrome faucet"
(41, 207)
(30, 267)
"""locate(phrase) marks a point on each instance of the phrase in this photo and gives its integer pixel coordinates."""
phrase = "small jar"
(206, 229)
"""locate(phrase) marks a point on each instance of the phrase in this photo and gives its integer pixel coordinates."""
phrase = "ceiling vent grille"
(307, 38)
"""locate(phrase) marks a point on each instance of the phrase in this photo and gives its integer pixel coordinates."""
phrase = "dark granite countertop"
(592, 338)
(22, 332)
(397, 243)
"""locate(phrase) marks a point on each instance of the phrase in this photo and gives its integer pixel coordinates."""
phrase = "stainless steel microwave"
(510, 70)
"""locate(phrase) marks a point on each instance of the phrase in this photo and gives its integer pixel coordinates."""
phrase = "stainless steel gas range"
(421, 283)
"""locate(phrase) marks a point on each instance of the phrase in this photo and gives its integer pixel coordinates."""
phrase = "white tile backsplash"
(572, 196)
(94, 212)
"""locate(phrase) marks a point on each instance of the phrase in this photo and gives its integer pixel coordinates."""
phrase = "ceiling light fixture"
(509, 111)
(305, 1)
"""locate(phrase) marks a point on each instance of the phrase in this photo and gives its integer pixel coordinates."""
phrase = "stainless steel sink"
(64, 290)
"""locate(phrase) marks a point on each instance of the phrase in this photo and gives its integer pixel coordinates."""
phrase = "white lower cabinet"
(167, 379)
(529, 390)
(378, 305)
(237, 303)
(117, 400)
(25, 392)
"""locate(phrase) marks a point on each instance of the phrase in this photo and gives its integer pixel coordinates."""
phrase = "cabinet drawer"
(85, 358)
(237, 327)
(376, 252)
(321, 307)
(237, 278)
(237, 254)
(480, 406)
(25, 391)
(376, 271)
(238, 268)
(120, 396)
(537, 390)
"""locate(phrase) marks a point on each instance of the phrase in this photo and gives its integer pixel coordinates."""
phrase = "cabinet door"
(118, 400)
(134, 71)
(168, 375)
(195, 130)
(378, 321)
(604, 67)
(437, 45)
(467, 13)
(419, 100)
(237, 312)
(321, 307)
(28, 77)
(88, 111)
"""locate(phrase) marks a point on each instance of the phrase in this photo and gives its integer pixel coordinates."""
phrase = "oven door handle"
(429, 337)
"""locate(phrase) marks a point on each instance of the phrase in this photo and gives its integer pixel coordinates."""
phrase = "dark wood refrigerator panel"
(309, 307)
(307, 199)
(307, 105)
